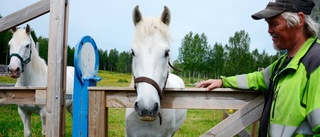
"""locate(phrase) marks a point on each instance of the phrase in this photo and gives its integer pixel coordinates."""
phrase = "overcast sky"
(110, 24)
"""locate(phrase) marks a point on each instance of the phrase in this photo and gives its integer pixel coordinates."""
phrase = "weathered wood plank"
(98, 114)
(40, 97)
(239, 120)
(21, 95)
(242, 133)
(255, 128)
(64, 72)
(192, 98)
(24, 15)
(56, 68)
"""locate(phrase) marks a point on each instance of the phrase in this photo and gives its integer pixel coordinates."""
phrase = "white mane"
(36, 61)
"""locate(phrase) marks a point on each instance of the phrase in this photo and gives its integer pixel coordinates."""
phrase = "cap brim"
(266, 13)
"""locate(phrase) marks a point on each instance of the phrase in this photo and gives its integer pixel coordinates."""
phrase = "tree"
(34, 36)
(185, 51)
(103, 59)
(113, 59)
(203, 55)
(193, 53)
(239, 59)
(70, 56)
(43, 47)
(217, 60)
(123, 64)
(5, 37)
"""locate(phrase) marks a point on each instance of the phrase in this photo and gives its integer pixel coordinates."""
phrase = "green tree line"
(197, 58)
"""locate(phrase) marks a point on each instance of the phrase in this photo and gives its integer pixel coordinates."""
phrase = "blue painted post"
(86, 63)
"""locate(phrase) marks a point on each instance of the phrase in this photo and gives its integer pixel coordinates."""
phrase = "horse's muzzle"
(14, 73)
(147, 114)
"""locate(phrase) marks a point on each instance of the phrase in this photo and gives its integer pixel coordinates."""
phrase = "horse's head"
(150, 50)
(20, 45)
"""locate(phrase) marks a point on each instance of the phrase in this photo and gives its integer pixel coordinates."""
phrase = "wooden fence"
(56, 60)
(249, 103)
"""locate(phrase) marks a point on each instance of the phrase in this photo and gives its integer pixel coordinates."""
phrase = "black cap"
(280, 6)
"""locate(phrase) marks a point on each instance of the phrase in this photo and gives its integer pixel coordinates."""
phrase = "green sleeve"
(253, 81)
(229, 82)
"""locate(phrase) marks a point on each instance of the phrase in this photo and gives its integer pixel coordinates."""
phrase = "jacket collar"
(294, 63)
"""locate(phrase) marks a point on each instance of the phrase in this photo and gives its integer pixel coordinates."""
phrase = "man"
(292, 83)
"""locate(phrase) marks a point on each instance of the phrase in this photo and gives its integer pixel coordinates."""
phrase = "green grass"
(113, 79)
(7, 79)
(196, 123)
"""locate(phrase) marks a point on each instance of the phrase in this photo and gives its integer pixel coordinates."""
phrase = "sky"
(109, 22)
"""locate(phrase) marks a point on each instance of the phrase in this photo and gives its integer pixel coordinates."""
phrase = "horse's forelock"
(149, 25)
(20, 35)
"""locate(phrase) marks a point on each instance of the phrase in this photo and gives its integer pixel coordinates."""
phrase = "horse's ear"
(166, 16)
(136, 15)
(28, 29)
(14, 29)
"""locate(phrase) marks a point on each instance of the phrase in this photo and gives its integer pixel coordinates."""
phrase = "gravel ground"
(3, 70)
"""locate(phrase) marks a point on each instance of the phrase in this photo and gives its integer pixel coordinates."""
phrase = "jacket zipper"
(275, 102)
(276, 90)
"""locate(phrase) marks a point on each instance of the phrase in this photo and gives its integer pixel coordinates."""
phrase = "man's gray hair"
(311, 27)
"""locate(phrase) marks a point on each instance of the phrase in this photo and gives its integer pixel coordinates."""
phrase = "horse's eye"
(166, 54)
(132, 52)
(27, 46)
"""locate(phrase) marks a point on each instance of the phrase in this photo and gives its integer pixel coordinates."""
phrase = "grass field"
(196, 123)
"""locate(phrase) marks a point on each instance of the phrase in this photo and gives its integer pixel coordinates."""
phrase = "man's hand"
(210, 84)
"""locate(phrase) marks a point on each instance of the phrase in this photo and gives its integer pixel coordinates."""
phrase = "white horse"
(151, 73)
(31, 70)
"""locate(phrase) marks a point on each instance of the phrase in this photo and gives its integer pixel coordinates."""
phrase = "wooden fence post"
(56, 70)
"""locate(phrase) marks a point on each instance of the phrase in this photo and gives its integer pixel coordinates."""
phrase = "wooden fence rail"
(248, 103)
(24, 15)
(22, 95)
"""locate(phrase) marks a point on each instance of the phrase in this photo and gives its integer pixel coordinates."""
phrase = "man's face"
(282, 36)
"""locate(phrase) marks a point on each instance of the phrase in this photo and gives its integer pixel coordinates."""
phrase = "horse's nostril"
(155, 107)
(18, 69)
(136, 107)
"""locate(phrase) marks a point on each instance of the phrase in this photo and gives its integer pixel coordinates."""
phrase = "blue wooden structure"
(86, 63)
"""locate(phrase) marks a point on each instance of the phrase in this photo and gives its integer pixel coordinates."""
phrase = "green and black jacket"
(295, 109)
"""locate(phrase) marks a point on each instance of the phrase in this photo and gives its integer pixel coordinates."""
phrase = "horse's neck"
(35, 73)
(174, 81)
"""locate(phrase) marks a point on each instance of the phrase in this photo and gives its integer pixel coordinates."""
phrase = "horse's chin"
(147, 118)
(15, 76)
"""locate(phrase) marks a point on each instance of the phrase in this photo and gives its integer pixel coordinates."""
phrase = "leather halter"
(153, 83)
(23, 62)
